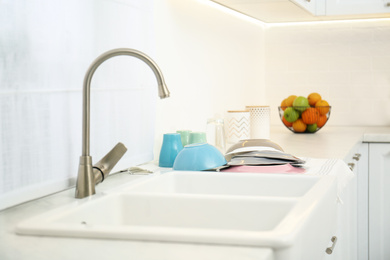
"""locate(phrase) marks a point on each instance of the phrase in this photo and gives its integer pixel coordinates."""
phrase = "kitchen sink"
(295, 215)
(228, 184)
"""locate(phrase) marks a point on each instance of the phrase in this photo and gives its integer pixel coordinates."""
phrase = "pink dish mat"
(285, 168)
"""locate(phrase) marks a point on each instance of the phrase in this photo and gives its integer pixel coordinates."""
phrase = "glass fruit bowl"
(304, 119)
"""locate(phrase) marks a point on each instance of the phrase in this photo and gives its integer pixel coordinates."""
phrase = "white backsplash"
(212, 61)
(46, 47)
(346, 62)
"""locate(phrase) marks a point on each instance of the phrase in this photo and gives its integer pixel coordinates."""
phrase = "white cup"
(238, 125)
(260, 121)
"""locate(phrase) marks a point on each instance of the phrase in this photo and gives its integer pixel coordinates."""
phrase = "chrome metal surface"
(86, 181)
(356, 156)
(102, 168)
(351, 166)
(85, 185)
(329, 250)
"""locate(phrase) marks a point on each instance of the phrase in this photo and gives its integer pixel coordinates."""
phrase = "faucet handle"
(102, 168)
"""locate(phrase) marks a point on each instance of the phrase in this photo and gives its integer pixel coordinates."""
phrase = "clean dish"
(250, 145)
(197, 138)
(254, 142)
(261, 157)
(169, 150)
(185, 136)
(199, 157)
(286, 168)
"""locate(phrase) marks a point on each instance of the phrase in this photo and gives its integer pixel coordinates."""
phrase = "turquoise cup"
(197, 138)
(170, 148)
(185, 136)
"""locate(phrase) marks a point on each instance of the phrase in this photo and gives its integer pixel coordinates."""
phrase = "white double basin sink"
(295, 215)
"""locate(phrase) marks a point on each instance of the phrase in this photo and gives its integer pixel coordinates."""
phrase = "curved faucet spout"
(85, 185)
(162, 88)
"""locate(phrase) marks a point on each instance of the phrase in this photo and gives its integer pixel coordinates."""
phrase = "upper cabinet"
(274, 11)
(356, 7)
(344, 7)
(316, 7)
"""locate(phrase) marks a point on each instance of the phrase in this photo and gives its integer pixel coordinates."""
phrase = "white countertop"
(330, 142)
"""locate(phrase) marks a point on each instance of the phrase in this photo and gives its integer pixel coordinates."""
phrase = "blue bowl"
(199, 157)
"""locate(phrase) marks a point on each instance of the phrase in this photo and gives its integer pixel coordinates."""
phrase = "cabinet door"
(316, 7)
(352, 225)
(346, 7)
(362, 203)
(345, 247)
(379, 201)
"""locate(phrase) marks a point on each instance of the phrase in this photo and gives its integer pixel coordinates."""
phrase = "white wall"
(212, 62)
(46, 47)
(348, 63)
(203, 50)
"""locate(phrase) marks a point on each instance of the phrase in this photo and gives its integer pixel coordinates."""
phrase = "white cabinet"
(379, 201)
(316, 7)
(275, 11)
(364, 216)
(352, 226)
(344, 7)
(349, 7)
(362, 203)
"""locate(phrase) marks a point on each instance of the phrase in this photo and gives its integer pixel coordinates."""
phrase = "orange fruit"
(290, 100)
(323, 107)
(299, 126)
(286, 123)
(283, 104)
(310, 116)
(314, 98)
(322, 121)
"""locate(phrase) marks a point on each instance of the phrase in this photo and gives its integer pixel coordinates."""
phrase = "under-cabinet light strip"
(245, 17)
(328, 22)
(232, 12)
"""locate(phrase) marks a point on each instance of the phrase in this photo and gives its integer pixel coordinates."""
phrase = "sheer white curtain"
(45, 48)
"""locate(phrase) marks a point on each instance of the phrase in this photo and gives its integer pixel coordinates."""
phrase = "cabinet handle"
(357, 156)
(351, 166)
(329, 250)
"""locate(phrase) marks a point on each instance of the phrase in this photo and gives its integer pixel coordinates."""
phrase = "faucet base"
(85, 185)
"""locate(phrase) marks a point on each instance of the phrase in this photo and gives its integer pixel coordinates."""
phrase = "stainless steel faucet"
(88, 175)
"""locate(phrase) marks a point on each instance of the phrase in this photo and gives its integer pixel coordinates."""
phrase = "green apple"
(311, 128)
(301, 103)
(290, 114)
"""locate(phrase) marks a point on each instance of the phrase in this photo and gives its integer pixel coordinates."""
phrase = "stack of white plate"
(259, 152)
